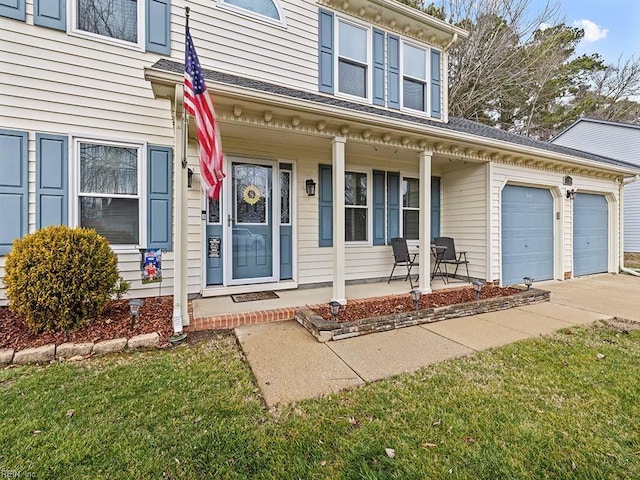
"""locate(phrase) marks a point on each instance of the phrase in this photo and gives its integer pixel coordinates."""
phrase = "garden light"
(528, 281)
(134, 309)
(415, 296)
(477, 286)
(335, 309)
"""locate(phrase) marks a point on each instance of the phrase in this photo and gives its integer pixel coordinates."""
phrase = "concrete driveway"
(290, 365)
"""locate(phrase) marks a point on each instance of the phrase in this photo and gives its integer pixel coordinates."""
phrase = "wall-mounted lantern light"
(567, 181)
(310, 186)
(189, 177)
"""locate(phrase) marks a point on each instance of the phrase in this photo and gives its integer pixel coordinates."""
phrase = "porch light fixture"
(415, 296)
(134, 309)
(310, 185)
(335, 309)
(528, 281)
(568, 181)
(189, 177)
(477, 287)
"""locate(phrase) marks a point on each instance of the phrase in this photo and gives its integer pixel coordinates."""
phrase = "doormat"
(252, 297)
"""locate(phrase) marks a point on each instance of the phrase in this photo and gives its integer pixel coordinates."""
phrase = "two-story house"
(334, 123)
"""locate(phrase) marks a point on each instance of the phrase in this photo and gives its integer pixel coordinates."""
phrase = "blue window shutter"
(393, 71)
(436, 85)
(325, 52)
(378, 67)
(13, 9)
(379, 205)
(325, 202)
(14, 187)
(435, 207)
(52, 163)
(50, 13)
(158, 36)
(159, 191)
(393, 205)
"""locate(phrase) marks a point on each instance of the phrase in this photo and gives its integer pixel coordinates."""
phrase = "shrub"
(58, 278)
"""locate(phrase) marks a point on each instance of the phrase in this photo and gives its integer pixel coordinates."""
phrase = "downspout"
(621, 195)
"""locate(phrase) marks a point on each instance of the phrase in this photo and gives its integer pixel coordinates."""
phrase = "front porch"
(215, 313)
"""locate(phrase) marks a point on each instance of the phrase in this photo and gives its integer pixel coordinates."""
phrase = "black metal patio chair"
(401, 256)
(449, 257)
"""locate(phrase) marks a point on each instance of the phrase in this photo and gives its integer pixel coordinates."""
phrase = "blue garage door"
(590, 234)
(527, 234)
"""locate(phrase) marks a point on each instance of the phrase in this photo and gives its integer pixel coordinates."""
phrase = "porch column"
(425, 221)
(180, 312)
(338, 160)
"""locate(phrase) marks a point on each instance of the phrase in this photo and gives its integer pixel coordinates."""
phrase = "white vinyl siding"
(464, 214)
(71, 85)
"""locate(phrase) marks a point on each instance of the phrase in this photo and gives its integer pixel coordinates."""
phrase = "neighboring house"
(614, 140)
(349, 96)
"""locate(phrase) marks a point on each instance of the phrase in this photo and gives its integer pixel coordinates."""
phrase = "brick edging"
(232, 320)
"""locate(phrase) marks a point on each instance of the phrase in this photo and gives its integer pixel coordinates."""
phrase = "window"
(263, 8)
(109, 190)
(353, 59)
(410, 208)
(120, 20)
(214, 205)
(356, 208)
(285, 197)
(414, 77)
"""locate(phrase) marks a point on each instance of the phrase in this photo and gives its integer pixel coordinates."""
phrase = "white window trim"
(427, 81)
(368, 207)
(73, 30)
(74, 184)
(282, 22)
(369, 63)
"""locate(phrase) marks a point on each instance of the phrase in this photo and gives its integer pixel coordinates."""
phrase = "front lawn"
(565, 406)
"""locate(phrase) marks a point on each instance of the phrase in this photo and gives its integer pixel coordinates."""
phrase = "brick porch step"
(232, 320)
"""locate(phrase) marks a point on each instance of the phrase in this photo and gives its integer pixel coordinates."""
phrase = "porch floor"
(222, 312)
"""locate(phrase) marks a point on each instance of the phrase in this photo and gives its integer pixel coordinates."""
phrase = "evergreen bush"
(58, 278)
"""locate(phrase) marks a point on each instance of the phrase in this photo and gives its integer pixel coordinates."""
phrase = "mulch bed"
(155, 316)
(357, 310)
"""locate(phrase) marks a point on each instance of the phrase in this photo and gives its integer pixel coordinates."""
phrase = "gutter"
(624, 269)
(453, 41)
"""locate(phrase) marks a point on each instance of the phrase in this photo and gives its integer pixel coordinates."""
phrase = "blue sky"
(612, 27)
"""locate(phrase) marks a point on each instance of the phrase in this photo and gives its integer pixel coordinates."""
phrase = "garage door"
(590, 234)
(527, 234)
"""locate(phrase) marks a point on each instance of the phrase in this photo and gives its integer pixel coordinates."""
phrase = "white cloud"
(544, 26)
(592, 32)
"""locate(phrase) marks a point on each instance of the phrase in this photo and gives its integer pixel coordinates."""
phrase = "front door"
(252, 223)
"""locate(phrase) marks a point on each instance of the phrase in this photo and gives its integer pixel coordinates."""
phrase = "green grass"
(544, 408)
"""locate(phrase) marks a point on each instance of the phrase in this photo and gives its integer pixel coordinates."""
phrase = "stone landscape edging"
(326, 330)
(76, 351)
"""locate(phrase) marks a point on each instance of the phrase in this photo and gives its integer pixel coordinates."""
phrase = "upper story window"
(414, 77)
(353, 59)
(268, 9)
(120, 20)
(377, 66)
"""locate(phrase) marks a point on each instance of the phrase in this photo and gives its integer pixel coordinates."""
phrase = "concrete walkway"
(290, 365)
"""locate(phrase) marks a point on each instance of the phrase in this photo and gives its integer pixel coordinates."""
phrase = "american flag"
(198, 103)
